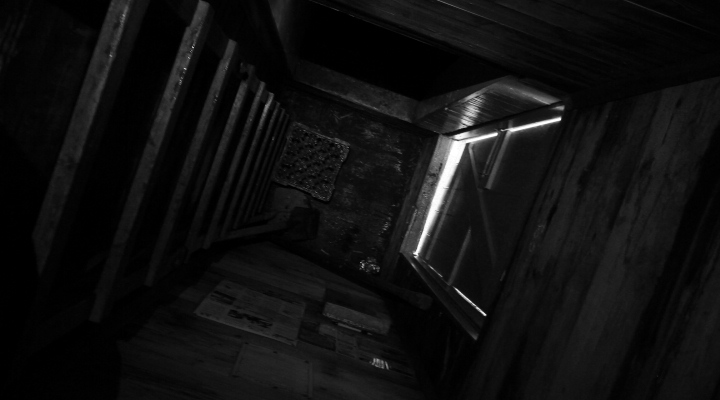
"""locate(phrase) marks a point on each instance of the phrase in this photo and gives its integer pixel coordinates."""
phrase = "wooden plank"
(633, 21)
(144, 180)
(250, 209)
(257, 168)
(267, 45)
(222, 152)
(581, 42)
(275, 157)
(408, 210)
(107, 66)
(255, 230)
(356, 91)
(694, 15)
(207, 118)
(609, 226)
(241, 205)
(519, 53)
(684, 72)
(249, 167)
(233, 167)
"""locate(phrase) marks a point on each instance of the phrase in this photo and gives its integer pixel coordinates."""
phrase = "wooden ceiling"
(567, 44)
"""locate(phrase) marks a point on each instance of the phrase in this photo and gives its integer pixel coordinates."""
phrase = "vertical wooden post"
(277, 152)
(194, 235)
(85, 131)
(251, 166)
(262, 163)
(143, 182)
(232, 169)
(207, 117)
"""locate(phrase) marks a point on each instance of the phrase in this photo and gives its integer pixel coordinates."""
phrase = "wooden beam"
(239, 204)
(87, 125)
(583, 41)
(688, 13)
(153, 154)
(252, 208)
(602, 257)
(75, 160)
(207, 118)
(439, 102)
(262, 161)
(235, 164)
(681, 73)
(353, 90)
(275, 157)
(469, 34)
(407, 212)
(269, 53)
(255, 230)
(249, 167)
(221, 153)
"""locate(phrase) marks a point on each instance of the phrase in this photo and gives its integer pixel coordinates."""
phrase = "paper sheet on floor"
(235, 305)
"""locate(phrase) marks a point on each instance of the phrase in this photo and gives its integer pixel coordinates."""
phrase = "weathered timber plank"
(194, 239)
(642, 236)
(693, 370)
(519, 53)
(694, 15)
(355, 91)
(635, 21)
(252, 207)
(600, 236)
(274, 159)
(249, 166)
(407, 212)
(577, 21)
(107, 66)
(254, 230)
(592, 46)
(145, 179)
(229, 183)
(686, 71)
(207, 118)
(260, 165)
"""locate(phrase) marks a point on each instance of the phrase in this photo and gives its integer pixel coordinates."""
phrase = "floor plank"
(176, 354)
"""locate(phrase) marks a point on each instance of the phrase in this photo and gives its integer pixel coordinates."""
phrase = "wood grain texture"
(99, 88)
(569, 322)
(261, 160)
(233, 168)
(276, 149)
(249, 165)
(194, 240)
(143, 181)
(175, 354)
(567, 44)
(207, 118)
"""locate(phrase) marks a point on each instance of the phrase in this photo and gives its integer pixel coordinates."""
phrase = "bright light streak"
(471, 303)
(456, 150)
(533, 125)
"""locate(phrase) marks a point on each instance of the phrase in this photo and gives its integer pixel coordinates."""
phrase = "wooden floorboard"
(176, 354)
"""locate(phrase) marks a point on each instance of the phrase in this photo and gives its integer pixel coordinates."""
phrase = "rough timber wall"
(615, 293)
(358, 220)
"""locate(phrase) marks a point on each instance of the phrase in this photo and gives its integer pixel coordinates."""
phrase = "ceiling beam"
(449, 28)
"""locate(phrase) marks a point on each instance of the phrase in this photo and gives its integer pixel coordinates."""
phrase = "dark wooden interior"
(139, 142)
